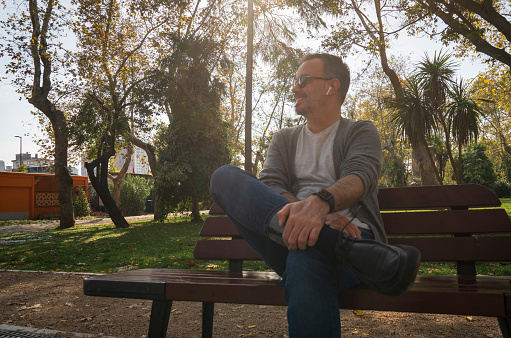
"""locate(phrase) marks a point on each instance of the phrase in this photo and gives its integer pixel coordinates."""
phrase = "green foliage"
(134, 192)
(502, 189)
(23, 168)
(394, 172)
(195, 142)
(506, 166)
(476, 167)
(81, 205)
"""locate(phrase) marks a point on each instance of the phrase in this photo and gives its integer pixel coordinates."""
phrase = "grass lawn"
(103, 248)
(146, 244)
(506, 204)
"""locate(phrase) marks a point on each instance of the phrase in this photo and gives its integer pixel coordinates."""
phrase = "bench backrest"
(439, 220)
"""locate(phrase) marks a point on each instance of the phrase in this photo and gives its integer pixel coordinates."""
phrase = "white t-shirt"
(314, 165)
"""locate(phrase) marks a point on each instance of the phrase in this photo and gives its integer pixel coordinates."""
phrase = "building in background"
(36, 165)
(138, 165)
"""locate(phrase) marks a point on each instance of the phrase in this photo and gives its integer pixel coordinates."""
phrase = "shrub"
(502, 189)
(134, 192)
(81, 206)
(477, 167)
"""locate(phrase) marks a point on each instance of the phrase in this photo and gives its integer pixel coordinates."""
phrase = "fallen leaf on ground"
(358, 312)
(24, 307)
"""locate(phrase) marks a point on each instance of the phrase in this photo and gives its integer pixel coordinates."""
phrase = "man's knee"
(220, 177)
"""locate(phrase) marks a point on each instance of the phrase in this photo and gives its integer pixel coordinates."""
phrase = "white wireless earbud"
(328, 91)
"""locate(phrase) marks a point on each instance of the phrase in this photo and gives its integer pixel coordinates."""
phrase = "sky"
(16, 119)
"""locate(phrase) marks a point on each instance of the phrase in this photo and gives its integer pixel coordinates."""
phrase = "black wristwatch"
(328, 197)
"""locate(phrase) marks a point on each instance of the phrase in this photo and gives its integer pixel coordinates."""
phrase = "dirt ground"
(47, 300)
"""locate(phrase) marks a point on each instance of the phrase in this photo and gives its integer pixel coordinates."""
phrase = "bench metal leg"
(505, 327)
(159, 322)
(208, 309)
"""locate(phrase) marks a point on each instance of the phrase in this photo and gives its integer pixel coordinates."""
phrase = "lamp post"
(248, 88)
(21, 149)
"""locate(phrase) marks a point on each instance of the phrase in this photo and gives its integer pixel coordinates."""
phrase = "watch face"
(327, 197)
(325, 194)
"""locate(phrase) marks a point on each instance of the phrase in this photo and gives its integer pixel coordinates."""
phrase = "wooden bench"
(443, 226)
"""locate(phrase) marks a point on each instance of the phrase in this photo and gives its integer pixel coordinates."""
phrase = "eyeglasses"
(303, 80)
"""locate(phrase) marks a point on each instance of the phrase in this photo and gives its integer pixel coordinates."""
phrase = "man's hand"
(303, 221)
(338, 222)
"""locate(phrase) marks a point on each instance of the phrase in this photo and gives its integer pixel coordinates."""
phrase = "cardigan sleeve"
(363, 155)
(276, 171)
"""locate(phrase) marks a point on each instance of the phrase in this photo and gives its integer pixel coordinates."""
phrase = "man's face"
(311, 96)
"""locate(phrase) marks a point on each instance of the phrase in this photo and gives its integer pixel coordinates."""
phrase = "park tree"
(495, 86)
(464, 114)
(195, 142)
(188, 82)
(414, 119)
(435, 77)
(34, 46)
(113, 60)
(482, 26)
(441, 109)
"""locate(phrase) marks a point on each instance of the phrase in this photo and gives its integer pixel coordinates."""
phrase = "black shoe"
(388, 269)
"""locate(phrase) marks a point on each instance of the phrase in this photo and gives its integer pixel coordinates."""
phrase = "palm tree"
(463, 113)
(435, 78)
(414, 120)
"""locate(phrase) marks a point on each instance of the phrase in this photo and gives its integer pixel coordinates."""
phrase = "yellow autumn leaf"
(251, 327)
(358, 312)
(239, 326)
(470, 319)
(354, 332)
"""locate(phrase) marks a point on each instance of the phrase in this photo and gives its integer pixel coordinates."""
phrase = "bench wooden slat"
(400, 223)
(225, 250)
(218, 227)
(481, 296)
(448, 249)
(447, 222)
(435, 196)
(438, 196)
(216, 210)
(433, 249)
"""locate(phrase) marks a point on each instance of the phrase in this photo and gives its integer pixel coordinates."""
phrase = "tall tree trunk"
(449, 153)
(63, 177)
(98, 175)
(41, 87)
(151, 158)
(117, 180)
(460, 172)
(195, 209)
(422, 156)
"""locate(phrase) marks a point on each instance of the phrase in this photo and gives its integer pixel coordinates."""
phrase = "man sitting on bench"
(313, 216)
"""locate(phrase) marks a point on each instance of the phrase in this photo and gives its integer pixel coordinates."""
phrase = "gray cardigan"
(357, 150)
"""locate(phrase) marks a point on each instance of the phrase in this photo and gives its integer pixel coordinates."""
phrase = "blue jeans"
(311, 280)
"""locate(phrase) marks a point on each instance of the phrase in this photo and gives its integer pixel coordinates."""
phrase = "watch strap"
(325, 195)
